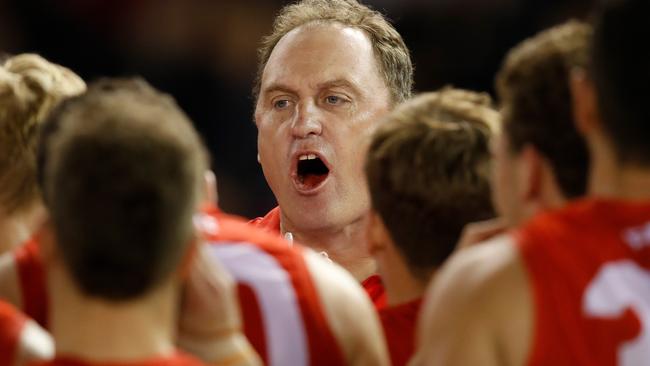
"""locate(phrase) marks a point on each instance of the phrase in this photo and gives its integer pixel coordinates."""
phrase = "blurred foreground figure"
(516, 299)
(428, 169)
(328, 73)
(121, 170)
(29, 88)
(297, 307)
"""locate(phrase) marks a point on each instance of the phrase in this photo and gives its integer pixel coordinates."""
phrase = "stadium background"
(203, 53)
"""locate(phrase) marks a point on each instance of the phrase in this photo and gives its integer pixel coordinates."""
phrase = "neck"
(16, 228)
(96, 330)
(344, 245)
(401, 285)
(611, 179)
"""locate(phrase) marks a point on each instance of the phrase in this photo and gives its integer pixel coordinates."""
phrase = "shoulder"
(481, 291)
(485, 277)
(336, 288)
(345, 303)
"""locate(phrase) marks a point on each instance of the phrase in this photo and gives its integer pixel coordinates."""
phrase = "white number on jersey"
(619, 286)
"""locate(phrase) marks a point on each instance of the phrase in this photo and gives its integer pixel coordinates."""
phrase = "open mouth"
(311, 172)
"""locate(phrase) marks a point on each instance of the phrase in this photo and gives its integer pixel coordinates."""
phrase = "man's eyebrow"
(341, 83)
(277, 87)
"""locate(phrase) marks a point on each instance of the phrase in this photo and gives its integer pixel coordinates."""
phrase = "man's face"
(505, 187)
(321, 96)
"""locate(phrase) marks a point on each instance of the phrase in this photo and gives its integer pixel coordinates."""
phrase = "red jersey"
(283, 316)
(399, 329)
(31, 275)
(11, 327)
(589, 272)
(178, 359)
(373, 285)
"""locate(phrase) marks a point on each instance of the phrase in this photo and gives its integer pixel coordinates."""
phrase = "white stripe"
(283, 326)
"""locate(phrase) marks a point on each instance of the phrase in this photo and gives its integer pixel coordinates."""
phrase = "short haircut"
(30, 87)
(392, 56)
(121, 170)
(619, 68)
(428, 171)
(535, 96)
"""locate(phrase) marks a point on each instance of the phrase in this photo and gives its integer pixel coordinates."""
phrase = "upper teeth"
(307, 157)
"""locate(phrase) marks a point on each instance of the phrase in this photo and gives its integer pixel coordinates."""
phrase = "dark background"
(203, 52)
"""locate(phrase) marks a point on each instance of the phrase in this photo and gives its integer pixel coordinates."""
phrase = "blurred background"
(203, 52)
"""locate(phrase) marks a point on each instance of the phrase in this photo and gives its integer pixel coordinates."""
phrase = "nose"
(307, 121)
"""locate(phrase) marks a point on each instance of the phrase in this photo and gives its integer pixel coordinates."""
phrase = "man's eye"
(333, 100)
(281, 104)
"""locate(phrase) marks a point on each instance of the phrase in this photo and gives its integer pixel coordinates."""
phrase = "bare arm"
(350, 313)
(477, 311)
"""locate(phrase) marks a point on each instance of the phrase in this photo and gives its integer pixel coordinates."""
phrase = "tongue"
(313, 180)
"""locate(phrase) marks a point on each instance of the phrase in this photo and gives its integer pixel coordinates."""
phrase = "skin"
(321, 91)
(401, 285)
(468, 315)
(456, 331)
(345, 303)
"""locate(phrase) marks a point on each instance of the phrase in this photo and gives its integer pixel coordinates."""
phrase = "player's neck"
(98, 331)
(608, 179)
(400, 283)
(17, 228)
(344, 245)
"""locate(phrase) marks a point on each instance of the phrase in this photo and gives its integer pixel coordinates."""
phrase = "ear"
(585, 102)
(376, 233)
(530, 175)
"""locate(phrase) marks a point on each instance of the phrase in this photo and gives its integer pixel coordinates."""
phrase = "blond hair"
(428, 169)
(30, 87)
(449, 105)
(390, 50)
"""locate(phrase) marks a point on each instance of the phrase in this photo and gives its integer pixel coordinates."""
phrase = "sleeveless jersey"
(283, 316)
(399, 323)
(282, 313)
(589, 273)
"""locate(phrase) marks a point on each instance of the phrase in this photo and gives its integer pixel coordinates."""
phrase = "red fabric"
(323, 346)
(565, 253)
(11, 326)
(253, 319)
(31, 275)
(375, 289)
(373, 284)
(399, 328)
(270, 222)
(177, 360)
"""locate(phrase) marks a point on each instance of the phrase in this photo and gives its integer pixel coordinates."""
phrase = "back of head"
(392, 56)
(30, 87)
(428, 169)
(620, 71)
(534, 92)
(121, 169)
